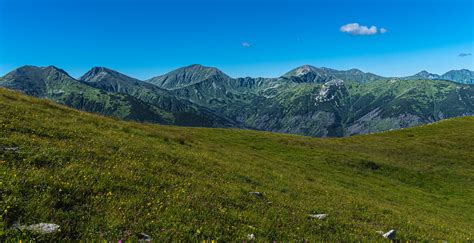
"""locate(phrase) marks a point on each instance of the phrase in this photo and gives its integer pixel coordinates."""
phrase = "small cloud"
(464, 54)
(245, 44)
(356, 29)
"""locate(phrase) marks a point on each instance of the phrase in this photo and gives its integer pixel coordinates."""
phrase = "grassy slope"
(99, 177)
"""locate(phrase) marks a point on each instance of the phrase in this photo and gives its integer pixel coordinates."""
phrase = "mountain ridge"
(188, 75)
(312, 101)
(118, 96)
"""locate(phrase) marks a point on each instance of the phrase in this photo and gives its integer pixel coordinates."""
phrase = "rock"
(43, 228)
(9, 149)
(318, 216)
(391, 234)
(251, 237)
(257, 194)
(144, 237)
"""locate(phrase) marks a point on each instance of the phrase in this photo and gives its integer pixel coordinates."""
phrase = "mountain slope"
(115, 95)
(311, 101)
(55, 84)
(423, 75)
(310, 74)
(395, 104)
(211, 88)
(185, 112)
(101, 178)
(324, 102)
(187, 76)
(461, 76)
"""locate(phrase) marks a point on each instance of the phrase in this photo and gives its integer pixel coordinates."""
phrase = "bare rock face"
(391, 234)
(328, 90)
(318, 216)
(257, 194)
(144, 237)
(43, 228)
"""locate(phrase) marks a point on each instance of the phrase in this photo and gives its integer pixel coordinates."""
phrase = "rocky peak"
(427, 75)
(188, 75)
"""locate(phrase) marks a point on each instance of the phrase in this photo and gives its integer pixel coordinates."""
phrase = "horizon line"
(219, 69)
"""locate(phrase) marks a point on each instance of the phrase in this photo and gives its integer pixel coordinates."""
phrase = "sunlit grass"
(100, 178)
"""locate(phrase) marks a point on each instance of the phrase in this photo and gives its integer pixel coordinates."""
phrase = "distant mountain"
(424, 75)
(55, 84)
(307, 100)
(114, 95)
(325, 102)
(310, 74)
(184, 112)
(462, 76)
(188, 76)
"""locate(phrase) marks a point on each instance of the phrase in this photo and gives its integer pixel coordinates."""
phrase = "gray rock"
(391, 234)
(318, 216)
(43, 228)
(257, 194)
(9, 149)
(144, 237)
(251, 237)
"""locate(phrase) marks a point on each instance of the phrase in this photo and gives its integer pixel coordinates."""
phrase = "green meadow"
(102, 178)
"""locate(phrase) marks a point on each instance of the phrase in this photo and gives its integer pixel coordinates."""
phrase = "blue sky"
(145, 38)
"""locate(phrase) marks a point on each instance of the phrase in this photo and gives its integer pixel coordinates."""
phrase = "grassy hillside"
(102, 178)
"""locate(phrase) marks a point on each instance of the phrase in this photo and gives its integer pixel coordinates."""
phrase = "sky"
(257, 38)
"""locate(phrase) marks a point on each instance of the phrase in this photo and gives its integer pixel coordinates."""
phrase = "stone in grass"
(257, 194)
(43, 228)
(318, 216)
(142, 237)
(9, 149)
(251, 237)
(391, 234)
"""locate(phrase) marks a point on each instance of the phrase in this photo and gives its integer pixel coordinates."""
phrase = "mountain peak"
(36, 81)
(41, 71)
(464, 76)
(97, 74)
(305, 69)
(424, 72)
(311, 74)
(355, 71)
(52, 68)
(200, 68)
(196, 65)
(188, 75)
(100, 69)
(426, 75)
(301, 71)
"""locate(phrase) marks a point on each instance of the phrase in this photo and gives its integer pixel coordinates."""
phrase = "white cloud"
(356, 29)
(245, 44)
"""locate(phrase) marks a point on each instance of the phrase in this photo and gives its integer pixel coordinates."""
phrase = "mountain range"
(307, 100)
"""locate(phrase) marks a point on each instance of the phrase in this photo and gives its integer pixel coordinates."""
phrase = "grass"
(101, 178)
